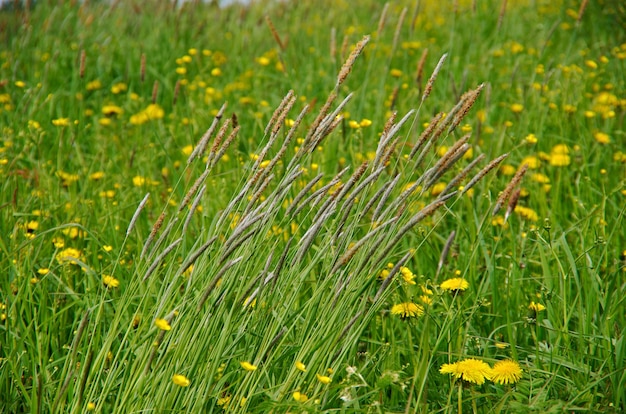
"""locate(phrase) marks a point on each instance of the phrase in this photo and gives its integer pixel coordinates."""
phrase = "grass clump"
(402, 208)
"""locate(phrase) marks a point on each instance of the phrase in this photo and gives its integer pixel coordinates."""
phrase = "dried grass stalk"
(517, 178)
(204, 141)
(433, 77)
(493, 164)
(155, 229)
(160, 258)
(274, 33)
(140, 207)
(347, 66)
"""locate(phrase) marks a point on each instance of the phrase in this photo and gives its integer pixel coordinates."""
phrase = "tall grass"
(290, 207)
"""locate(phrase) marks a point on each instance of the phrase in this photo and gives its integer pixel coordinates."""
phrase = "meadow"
(329, 206)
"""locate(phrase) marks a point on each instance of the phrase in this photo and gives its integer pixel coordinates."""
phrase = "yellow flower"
(248, 366)
(69, 255)
(407, 310)
(470, 370)
(559, 160)
(300, 366)
(536, 307)
(506, 372)
(43, 271)
(396, 73)
(602, 138)
(109, 281)
(454, 284)
(323, 379)
(162, 324)
(298, 396)
(91, 406)
(407, 275)
(527, 213)
(517, 108)
(61, 122)
(365, 122)
(531, 139)
(107, 248)
(181, 380)
(94, 85)
(118, 88)
(98, 175)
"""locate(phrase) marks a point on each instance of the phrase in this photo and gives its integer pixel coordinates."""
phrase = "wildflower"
(506, 372)
(298, 396)
(43, 271)
(559, 160)
(407, 310)
(354, 124)
(118, 88)
(69, 255)
(263, 61)
(300, 366)
(216, 72)
(94, 85)
(517, 108)
(223, 401)
(365, 122)
(602, 138)
(470, 370)
(248, 366)
(98, 175)
(455, 284)
(536, 307)
(91, 406)
(531, 139)
(61, 122)
(107, 248)
(162, 324)
(323, 379)
(437, 189)
(20, 84)
(180, 380)
(527, 213)
(396, 73)
(407, 275)
(109, 281)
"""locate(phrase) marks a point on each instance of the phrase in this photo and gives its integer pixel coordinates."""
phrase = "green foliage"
(232, 288)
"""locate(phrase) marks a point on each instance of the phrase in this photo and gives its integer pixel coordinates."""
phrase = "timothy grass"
(312, 207)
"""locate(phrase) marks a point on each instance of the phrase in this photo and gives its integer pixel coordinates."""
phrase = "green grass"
(277, 281)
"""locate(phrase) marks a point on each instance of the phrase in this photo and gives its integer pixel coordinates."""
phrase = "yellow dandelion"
(162, 324)
(248, 366)
(300, 366)
(61, 122)
(536, 307)
(323, 379)
(300, 397)
(180, 380)
(527, 213)
(407, 310)
(470, 370)
(455, 284)
(602, 138)
(506, 372)
(109, 281)
(517, 108)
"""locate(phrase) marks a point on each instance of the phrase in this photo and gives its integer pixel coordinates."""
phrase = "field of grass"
(315, 206)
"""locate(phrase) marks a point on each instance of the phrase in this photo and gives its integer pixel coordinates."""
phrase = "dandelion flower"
(300, 397)
(407, 310)
(323, 379)
(455, 284)
(248, 366)
(470, 370)
(300, 366)
(517, 108)
(109, 281)
(181, 380)
(162, 324)
(506, 372)
(536, 307)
